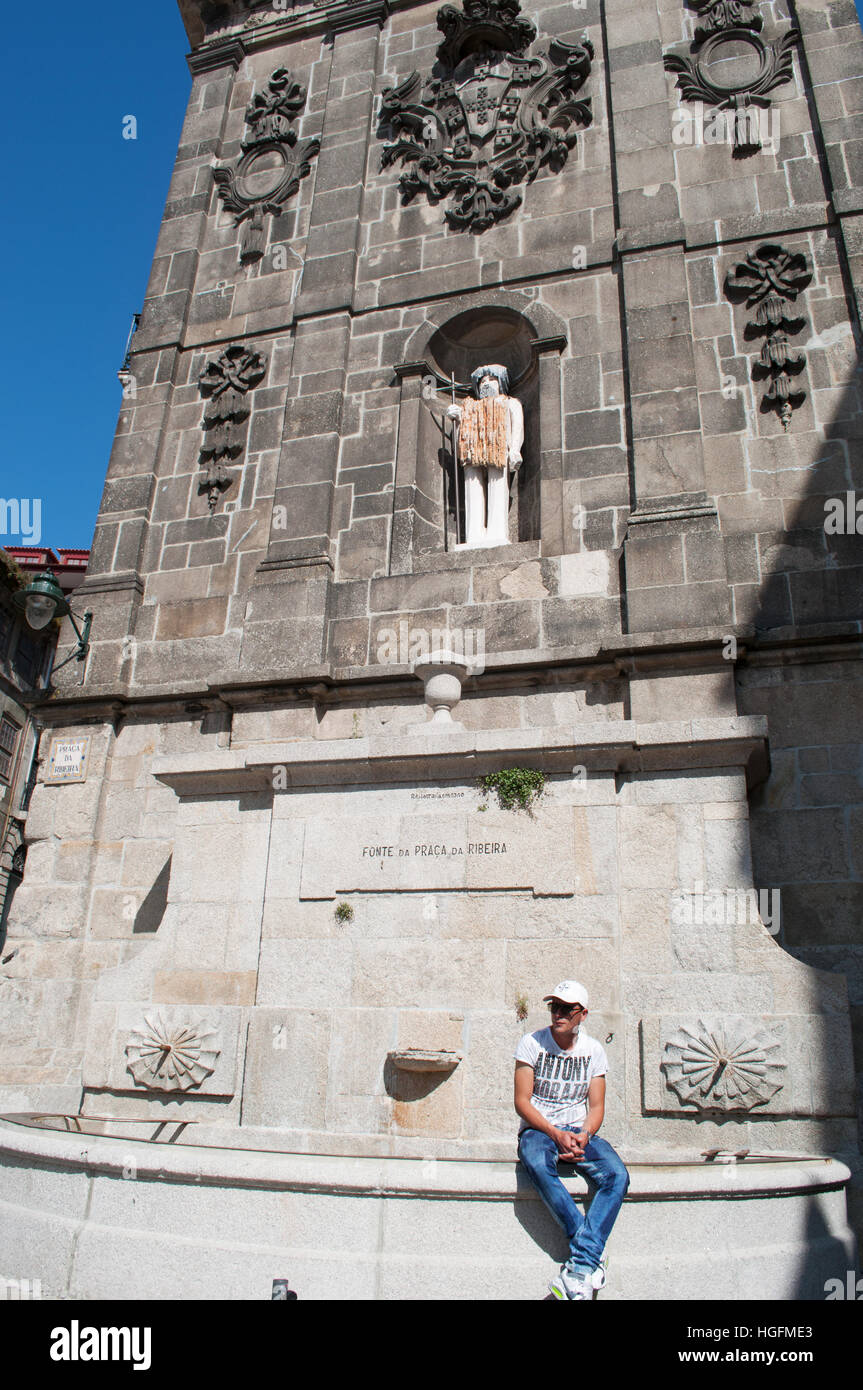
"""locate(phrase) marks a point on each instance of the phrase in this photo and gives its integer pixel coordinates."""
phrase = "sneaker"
(598, 1276)
(575, 1287)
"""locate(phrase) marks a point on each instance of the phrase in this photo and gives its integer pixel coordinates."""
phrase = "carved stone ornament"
(488, 117)
(769, 280)
(225, 384)
(729, 39)
(168, 1056)
(219, 15)
(424, 1059)
(722, 1066)
(716, 15)
(272, 163)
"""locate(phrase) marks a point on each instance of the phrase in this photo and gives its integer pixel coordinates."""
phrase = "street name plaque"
(68, 759)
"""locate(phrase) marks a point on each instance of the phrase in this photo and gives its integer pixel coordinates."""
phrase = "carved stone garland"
(272, 163)
(722, 1066)
(487, 118)
(725, 26)
(225, 384)
(769, 280)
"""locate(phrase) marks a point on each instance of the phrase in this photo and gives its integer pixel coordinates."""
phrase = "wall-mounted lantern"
(42, 601)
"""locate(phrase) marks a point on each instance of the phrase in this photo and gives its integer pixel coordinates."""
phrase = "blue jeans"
(604, 1170)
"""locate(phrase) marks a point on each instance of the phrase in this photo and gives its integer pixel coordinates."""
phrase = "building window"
(28, 659)
(7, 622)
(9, 732)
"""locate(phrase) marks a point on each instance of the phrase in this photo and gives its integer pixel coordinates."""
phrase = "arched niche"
(510, 330)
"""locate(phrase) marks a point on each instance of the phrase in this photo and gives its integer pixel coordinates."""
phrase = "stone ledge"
(218, 54)
(655, 236)
(121, 582)
(756, 226)
(601, 659)
(332, 16)
(698, 743)
(669, 1179)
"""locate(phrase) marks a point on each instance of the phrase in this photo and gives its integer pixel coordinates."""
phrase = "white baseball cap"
(569, 992)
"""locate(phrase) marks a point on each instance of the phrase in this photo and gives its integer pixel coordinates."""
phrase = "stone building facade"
(270, 855)
(24, 664)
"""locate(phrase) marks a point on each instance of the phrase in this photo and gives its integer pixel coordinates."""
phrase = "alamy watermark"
(405, 645)
(850, 1289)
(21, 517)
(77, 1343)
(20, 1290)
(844, 515)
(726, 907)
(752, 126)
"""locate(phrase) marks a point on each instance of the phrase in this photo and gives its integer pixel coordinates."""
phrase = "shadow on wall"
(537, 1221)
(827, 1259)
(796, 579)
(149, 915)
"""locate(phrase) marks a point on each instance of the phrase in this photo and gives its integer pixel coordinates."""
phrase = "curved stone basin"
(130, 1209)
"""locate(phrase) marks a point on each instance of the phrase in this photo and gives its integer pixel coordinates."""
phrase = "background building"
(69, 566)
(24, 664)
(276, 904)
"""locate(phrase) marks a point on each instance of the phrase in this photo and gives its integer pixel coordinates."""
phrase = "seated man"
(560, 1098)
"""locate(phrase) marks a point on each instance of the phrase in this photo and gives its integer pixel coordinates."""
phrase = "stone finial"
(443, 677)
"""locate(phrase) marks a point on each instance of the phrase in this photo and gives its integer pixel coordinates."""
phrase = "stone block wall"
(670, 538)
(655, 449)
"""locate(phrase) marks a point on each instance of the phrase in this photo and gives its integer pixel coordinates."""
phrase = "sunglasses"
(565, 1009)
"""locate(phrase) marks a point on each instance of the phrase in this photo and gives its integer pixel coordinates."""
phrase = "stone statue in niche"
(490, 434)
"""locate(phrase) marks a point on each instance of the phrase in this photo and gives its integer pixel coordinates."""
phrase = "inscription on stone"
(420, 851)
(450, 849)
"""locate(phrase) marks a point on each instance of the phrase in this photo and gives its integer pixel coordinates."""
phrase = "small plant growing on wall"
(521, 1007)
(344, 913)
(515, 787)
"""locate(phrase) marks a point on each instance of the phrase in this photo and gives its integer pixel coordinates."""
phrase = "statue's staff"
(455, 466)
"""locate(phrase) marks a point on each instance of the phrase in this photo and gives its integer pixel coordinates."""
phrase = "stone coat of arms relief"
(488, 117)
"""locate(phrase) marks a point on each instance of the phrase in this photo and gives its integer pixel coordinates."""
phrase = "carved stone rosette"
(225, 384)
(728, 33)
(770, 280)
(488, 117)
(272, 164)
(722, 1066)
(168, 1056)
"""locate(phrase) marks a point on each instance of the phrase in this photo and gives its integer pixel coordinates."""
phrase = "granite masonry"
(278, 919)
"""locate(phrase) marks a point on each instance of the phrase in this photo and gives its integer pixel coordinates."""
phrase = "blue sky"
(81, 216)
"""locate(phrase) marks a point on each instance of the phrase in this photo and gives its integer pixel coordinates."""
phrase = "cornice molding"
(261, 26)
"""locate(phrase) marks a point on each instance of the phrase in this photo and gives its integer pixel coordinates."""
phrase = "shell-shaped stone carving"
(723, 1066)
(167, 1056)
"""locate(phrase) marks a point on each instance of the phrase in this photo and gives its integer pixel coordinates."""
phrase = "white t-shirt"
(561, 1079)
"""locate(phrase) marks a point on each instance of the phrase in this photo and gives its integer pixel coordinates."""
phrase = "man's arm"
(595, 1112)
(566, 1142)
